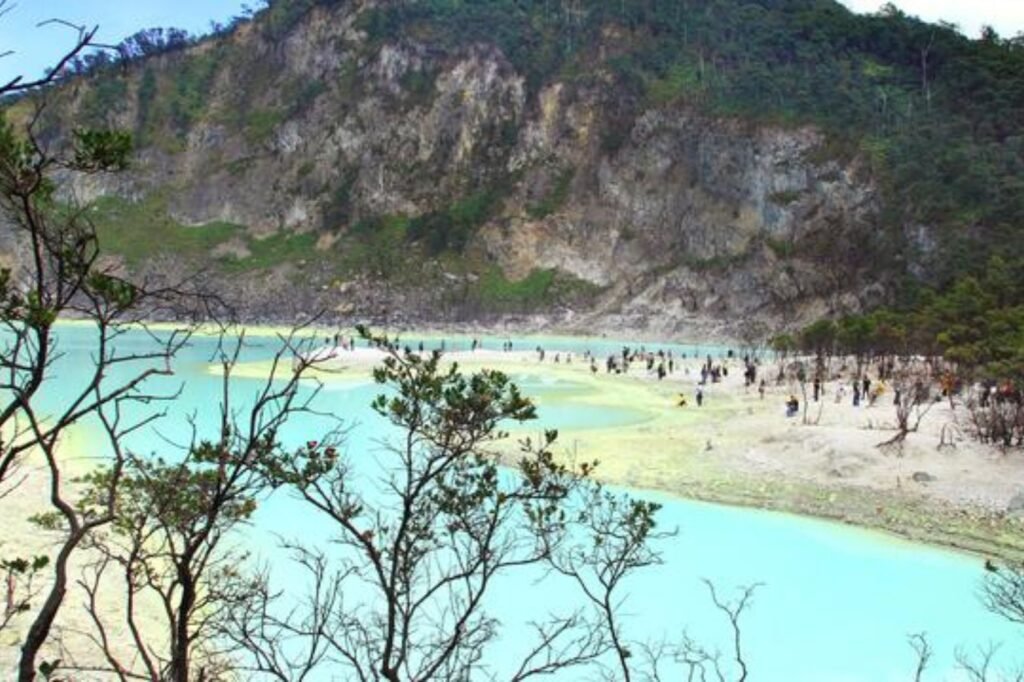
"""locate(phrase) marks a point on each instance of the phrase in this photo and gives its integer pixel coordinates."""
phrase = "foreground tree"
(172, 546)
(60, 276)
(614, 542)
(1003, 591)
(57, 274)
(401, 594)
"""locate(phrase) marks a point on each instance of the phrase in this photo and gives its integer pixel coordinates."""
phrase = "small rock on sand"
(923, 477)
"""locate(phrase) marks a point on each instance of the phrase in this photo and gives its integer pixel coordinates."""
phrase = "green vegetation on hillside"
(555, 197)
(384, 248)
(539, 290)
(378, 247)
(935, 116)
(936, 113)
(269, 252)
(496, 289)
(139, 231)
(449, 229)
(977, 324)
(143, 230)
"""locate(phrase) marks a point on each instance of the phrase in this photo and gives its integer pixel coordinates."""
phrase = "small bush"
(555, 197)
(452, 228)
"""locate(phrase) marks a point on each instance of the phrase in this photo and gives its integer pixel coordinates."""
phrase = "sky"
(1006, 16)
(34, 48)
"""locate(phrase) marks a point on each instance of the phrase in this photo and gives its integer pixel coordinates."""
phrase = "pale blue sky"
(1006, 16)
(36, 48)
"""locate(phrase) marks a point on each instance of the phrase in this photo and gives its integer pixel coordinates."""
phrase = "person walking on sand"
(760, 389)
(700, 397)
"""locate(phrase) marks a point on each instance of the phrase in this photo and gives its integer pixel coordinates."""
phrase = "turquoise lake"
(837, 603)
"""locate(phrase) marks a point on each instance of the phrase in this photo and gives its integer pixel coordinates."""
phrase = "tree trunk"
(179, 645)
(39, 631)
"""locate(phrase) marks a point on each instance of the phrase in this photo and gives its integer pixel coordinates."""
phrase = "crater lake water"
(836, 603)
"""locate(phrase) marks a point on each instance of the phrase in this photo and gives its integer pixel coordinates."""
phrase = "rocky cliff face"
(657, 217)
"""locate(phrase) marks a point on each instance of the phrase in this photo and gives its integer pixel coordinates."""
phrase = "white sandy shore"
(751, 435)
(741, 449)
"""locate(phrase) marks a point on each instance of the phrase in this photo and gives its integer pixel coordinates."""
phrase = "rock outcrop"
(662, 217)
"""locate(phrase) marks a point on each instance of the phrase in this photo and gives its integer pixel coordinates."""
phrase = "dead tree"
(615, 542)
(912, 400)
(61, 276)
(923, 652)
(1003, 591)
(997, 416)
(981, 666)
(702, 663)
(85, 39)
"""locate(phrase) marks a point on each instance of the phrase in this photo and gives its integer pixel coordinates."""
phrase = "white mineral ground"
(740, 449)
(28, 494)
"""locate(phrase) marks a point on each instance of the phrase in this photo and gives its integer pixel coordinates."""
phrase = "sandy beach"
(741, 449)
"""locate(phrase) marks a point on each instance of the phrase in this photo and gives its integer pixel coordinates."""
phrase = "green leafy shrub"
(450, 229)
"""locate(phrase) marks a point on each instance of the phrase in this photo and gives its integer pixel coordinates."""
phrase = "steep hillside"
(646, 164)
